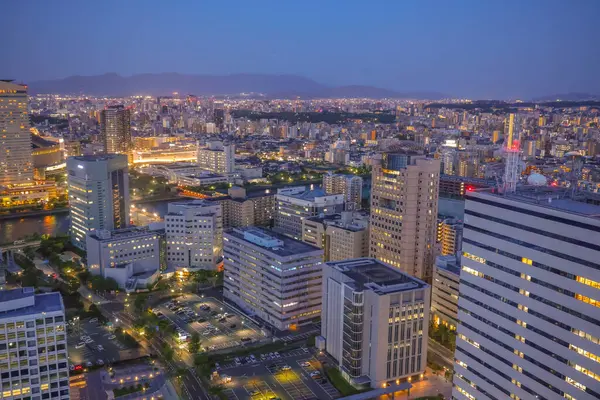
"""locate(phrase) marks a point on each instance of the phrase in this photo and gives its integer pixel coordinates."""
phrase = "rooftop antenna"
(511, 155)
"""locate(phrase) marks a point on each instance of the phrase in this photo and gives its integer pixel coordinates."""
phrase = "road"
(441, 354)
(191, 384)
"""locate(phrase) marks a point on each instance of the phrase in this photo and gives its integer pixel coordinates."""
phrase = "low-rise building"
(375, 321)
(33, 345)
(272, 276)
(444, 291)
(341, 236)
(130, 256)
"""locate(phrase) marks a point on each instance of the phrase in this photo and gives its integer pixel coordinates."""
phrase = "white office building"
(375, 322)
(295, 204)
(528, 311)
(131, 256)
(33, 346)
(98, 194)
(444, 291)
(194, 232)
(348, 185)
(272, 276)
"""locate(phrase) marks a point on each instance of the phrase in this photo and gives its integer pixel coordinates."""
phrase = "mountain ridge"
(273, 86)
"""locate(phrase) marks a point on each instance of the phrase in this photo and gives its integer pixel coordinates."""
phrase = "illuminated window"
(526, 261)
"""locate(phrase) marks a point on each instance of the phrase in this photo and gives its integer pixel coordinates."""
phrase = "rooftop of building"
(99, 157)
(372, 274)
(191, 205)
(306, 194)
(359, 221)
(548, 197)
(29, 302)
(449, 263)
(273, 242)
(38, 142)
(120, 234)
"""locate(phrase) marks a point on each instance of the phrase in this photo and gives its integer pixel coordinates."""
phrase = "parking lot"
(284, 375)
(89, 341)
(218, 325)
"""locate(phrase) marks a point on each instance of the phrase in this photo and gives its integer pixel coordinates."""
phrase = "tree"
(167, 352)
(194, 344)
(140, 302)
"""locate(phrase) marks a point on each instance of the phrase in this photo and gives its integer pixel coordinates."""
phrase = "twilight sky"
(472, 48)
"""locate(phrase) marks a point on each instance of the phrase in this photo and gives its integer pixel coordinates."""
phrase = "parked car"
(79, 345)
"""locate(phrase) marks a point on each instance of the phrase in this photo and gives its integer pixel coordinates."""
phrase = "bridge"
(19, 244)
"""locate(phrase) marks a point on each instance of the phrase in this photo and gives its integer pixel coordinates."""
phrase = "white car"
(112, 337)
(94, 320)
(79, 345)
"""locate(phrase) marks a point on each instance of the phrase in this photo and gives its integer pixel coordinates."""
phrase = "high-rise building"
(16, 165)
(449, 235)
(404, 205)
(272, 276)
(194, 232)
(217, 158)
(529, 321)
(115, 123)
(98, 194)
(444, 290)
(243, 209)
(130, 256)
(297, 203)
(348, 185)
(375, 321)
(33, 345)
(341, 236)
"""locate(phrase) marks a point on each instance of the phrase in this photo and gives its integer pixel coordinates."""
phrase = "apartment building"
(217, 158)
(528, 311)
(375, 322)
(341, 236)
(272, 276)
(348, 185)
(297, 203)
(33, 345)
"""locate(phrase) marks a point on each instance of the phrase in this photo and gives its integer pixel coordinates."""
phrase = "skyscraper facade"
(16, 165)
(529, 320)
(115, 122)
(33, 345)
(98, 194)
(404, 205)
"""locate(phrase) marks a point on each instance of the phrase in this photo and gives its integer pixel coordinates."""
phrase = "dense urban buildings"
(272, 276)
(33, 345)
(98, 194)
(115, 123)
(404, 205)
(294, 204)
(16, 165)
(194, 233)
(449, 235)
(241, 209)
(130, 256)
(375, 321)
(341, 236)
(528, 315)
(350, 186)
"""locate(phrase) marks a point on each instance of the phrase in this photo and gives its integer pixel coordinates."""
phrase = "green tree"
(194, 344)
(140, 302)
(167, 352)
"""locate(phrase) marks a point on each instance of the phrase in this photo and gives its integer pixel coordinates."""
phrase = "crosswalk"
(300, 336)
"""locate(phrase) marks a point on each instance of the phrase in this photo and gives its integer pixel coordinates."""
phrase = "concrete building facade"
(375, 321)
(272, 276)
(217, 158)
(16, 166)
(33, 345)
(115, 124)
(404, 205)
(348, 185)
(529, 321)
(444, 291)
(194, 232)
(98, 194)
(341, 236)
(297, 203)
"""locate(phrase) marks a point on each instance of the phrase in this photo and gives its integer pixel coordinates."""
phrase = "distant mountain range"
(568, 97)
(272, 86)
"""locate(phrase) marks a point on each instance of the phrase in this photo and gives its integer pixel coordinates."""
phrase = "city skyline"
(477, 50)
